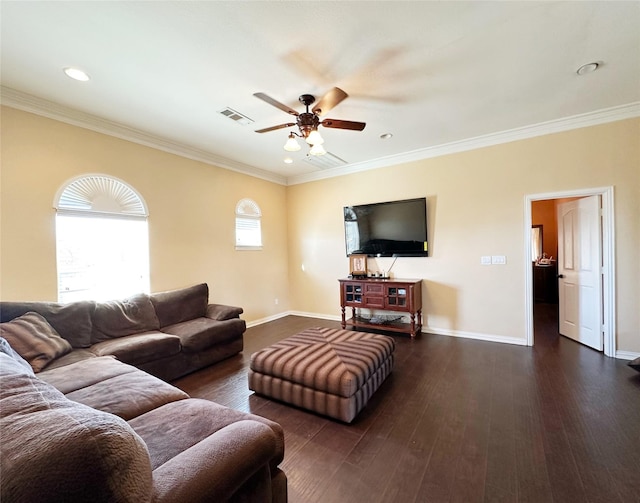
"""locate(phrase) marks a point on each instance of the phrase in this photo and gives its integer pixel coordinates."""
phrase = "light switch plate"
(485, 260)
(498, 259)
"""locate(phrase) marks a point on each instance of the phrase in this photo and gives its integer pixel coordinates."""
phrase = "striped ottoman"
(330, 371)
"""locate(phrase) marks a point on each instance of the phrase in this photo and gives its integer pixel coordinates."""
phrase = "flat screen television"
(388, 229)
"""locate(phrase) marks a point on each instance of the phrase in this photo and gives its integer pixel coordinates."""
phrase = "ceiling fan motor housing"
(307, 122)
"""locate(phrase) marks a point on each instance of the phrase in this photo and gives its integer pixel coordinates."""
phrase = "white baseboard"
(261, 321)
(331, 317)
(473, 335)
(623, 355)
(431, 330)
(274, 317)
(627, 355)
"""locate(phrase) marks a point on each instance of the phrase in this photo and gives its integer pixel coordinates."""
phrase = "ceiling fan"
(308, 121)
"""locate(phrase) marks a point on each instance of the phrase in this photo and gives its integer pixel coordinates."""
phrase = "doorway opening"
(607, 283)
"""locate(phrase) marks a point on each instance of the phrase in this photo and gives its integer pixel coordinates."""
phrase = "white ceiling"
(433, 74)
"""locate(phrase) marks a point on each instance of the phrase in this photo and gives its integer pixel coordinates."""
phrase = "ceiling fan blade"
(329, 100)
(273, 128)
(340, 124)
(275, 103)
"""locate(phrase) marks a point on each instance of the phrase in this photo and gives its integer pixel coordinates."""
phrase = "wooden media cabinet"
(397, 295)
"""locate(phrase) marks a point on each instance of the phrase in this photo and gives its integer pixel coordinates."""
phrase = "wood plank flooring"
(459, 420)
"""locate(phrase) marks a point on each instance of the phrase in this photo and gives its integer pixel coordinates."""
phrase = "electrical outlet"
(276, 301)
(498, 259)
(485, 260)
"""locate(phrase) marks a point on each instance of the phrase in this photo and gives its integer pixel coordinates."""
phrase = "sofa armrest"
(216, 467)
(221, 312)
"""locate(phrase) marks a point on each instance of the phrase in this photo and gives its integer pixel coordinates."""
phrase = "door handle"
(560, 276)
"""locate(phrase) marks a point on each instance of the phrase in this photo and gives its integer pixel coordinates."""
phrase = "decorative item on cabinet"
(358, 265)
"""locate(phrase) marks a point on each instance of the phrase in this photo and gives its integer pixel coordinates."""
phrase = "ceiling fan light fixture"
(314, 138)
(309, 120)
(292, 144)
(317, 149)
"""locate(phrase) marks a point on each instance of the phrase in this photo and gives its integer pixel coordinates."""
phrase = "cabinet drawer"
(374, 301)
(374, 289)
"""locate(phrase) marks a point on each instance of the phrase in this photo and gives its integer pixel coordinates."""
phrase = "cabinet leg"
(413, 324)
(344, 322)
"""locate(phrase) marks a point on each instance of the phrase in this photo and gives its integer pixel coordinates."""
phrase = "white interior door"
(579, 271)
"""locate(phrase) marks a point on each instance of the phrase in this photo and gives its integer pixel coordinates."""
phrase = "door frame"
(608, 260)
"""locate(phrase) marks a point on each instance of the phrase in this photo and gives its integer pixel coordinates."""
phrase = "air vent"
(326, 161)
(236, 116)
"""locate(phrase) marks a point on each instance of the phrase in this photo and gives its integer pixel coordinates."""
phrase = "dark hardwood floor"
(459, 420)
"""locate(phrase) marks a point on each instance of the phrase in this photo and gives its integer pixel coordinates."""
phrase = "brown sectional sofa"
(167, 334)
(93, 424)
(100, 430)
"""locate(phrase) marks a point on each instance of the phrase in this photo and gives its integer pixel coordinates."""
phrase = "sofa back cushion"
(34, 339)
(176, 306)
(54, 449)
(118, 318)
(72, 321)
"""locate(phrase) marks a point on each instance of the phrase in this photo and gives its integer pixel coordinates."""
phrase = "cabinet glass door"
(396, 297)
(353, 293)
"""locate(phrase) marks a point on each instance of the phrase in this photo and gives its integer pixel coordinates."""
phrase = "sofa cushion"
(99, 456)
(72, 321)
(75, 356)
(111, 386)
(176, 306)
(202, 333)
(34, 339)
(128, 395)
(175, 427)
(118, 318)
(139, 348)
(84, 373)
(230, 465)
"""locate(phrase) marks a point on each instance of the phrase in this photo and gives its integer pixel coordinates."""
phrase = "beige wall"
(475, 207)
(191, 207)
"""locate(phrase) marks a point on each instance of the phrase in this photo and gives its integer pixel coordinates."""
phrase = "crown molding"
(39, 106)
(51, 110)
(603, 116)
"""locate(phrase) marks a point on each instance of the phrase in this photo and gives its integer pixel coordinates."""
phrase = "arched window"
(102, 240)
(248, 228)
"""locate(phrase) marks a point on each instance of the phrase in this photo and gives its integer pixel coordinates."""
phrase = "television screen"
(394, 228)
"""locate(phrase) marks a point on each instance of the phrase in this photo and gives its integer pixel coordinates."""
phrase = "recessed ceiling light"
(386, 136)
(588, 68)
(76, 74)
(288, 160)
